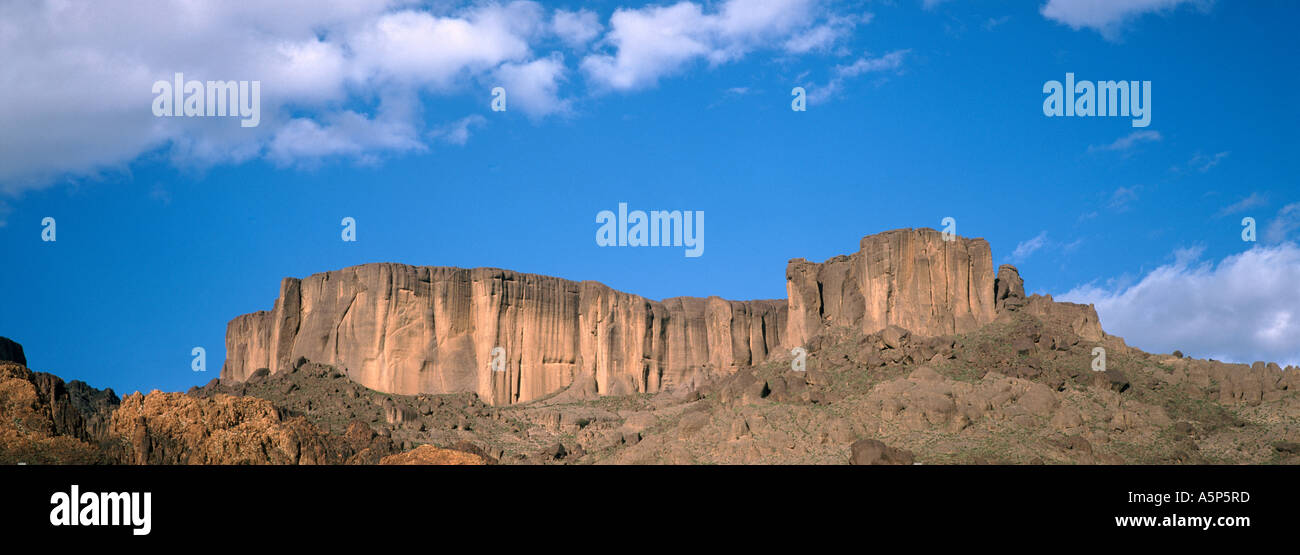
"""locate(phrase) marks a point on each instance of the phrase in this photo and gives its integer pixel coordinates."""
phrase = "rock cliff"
(11, 351)
(406, 329)
(410, 330)
(910, 278)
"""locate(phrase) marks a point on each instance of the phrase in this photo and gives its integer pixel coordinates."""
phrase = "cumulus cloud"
(647, 44)
(1107, 16)
(576, 29)
(1243, 308)
(533, 86)
(337, 78)
(303, 141)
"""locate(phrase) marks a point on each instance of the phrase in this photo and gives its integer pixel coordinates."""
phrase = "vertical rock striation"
(407, 330)
(909, 278)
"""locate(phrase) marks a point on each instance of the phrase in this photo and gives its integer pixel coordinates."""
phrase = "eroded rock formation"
(410, 330)
(910, 278)
(406, 329)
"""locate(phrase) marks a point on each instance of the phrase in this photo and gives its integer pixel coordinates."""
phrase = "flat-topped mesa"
(911, 278)
(408, 330)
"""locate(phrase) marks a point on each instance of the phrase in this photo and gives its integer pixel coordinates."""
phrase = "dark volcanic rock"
(11, 351)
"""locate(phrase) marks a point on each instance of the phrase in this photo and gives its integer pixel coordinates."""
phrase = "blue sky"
(169, 227)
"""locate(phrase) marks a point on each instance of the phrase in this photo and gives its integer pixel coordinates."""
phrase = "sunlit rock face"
(407, 329)
(910, 278)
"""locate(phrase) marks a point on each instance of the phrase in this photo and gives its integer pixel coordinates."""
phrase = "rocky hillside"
(46, 421)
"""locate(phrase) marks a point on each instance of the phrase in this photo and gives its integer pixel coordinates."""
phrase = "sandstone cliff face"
(408, 330)
(909, 278)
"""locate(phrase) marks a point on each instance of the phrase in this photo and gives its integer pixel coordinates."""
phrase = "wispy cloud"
(1284, 225)
(1128, 141)
(1026, 248)
(995, 22)
(864, 65)
(1255, 200)
(1122, 198)
(457, 132)
(1203, 163)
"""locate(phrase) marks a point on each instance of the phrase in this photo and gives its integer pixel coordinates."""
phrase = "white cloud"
(1128, 141)
(457, 132)
(651, 43)
(1123, 197)
(1242, 309)
(338, 77)
(303, 141)
(1205, 163)
(1255, 200)
(891, 61)
(821, 37)
(76, 77)
(1286, 223)
(576, 29)
(419, 48)
(995, 22)
(1026, 248)
(1107, 16)
(533, 86)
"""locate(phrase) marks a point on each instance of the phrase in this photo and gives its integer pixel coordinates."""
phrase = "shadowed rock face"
(408, 330)
(910, 278)
(11, 351)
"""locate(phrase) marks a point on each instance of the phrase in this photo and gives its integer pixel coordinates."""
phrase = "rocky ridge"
(411, 330)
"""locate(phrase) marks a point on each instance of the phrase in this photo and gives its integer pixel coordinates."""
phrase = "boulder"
(874, 452)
